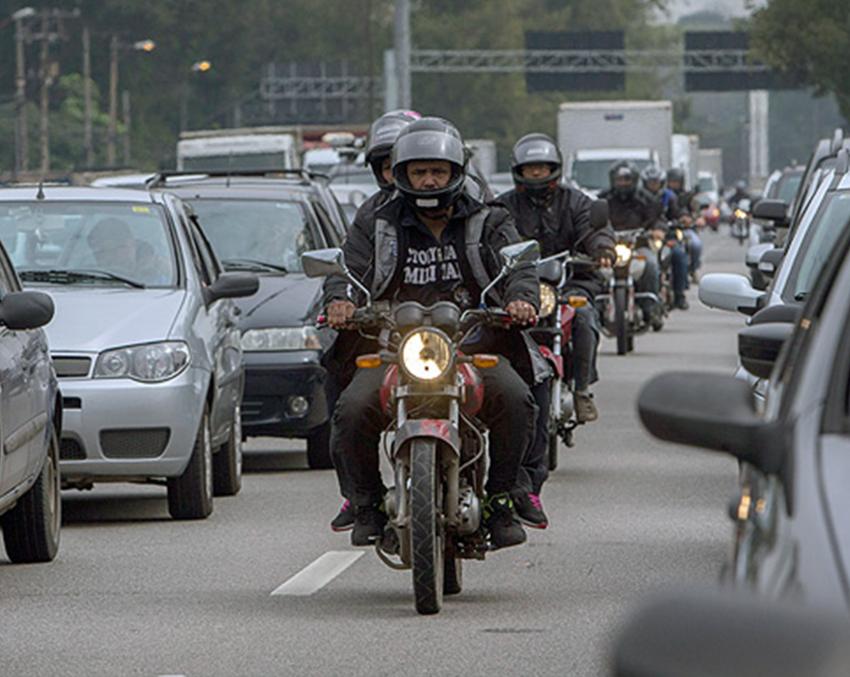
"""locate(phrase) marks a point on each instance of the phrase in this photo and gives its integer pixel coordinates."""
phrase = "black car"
(262, 224)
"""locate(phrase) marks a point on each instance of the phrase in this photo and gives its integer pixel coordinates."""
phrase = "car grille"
(71, 367)
(134, 443)
(71, 450)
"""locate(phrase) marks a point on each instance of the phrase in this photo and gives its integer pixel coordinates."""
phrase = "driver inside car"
(433, 242)
(117, 251)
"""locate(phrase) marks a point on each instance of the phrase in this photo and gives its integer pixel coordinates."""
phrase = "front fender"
(437, 428)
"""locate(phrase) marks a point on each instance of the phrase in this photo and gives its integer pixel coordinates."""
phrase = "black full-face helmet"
(430, 138)
(623, 177)
(675, 175)
(653, 174)
(534, 149)
(382, 135)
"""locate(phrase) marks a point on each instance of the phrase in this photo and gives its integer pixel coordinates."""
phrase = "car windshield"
(706, 184)
(788, 185)
(824, 232)
(261, 235)
(344, 174)
(593, 174)
(75, 243)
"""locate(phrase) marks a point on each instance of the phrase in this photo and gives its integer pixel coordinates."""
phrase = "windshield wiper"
(253, 264)
(63, 276)
(801, 295)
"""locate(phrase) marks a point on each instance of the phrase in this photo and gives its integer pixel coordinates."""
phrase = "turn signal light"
(485, 361)
(577, 301)
(370, 361)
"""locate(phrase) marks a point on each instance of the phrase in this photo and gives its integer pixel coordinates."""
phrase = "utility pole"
(113, 101)
(87, 103)
(21, 130)
(401, 40)
(125, 106)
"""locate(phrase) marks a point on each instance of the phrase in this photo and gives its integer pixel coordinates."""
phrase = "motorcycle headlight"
(548, 299)
(624, 253)
(148, 363)
(281, 339)
(740, 214)
(426, 355)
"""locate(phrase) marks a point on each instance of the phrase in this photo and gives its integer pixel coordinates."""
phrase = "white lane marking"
(317, 575)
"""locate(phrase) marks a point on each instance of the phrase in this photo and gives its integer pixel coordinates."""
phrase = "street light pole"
(401, 40)
(113, 101)
(46, 81)
(87, 103)
(125, 107)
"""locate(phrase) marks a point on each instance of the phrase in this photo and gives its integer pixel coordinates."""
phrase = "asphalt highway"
(135, 593)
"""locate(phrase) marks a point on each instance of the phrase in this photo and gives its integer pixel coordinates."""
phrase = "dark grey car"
(30, 424)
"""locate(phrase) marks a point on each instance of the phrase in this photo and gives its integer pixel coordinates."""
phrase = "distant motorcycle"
(622, 317)
(741, 222)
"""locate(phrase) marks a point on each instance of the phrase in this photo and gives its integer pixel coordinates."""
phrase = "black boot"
(505, 529)
(369, 524)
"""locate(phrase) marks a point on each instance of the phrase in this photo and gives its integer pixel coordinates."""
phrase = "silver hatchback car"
(144, 339)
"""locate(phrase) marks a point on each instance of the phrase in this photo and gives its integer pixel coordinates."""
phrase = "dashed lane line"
(317, 575)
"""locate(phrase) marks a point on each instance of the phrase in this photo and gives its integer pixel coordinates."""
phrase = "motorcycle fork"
(556, 350)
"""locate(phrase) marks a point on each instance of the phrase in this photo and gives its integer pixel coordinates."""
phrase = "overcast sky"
(731, 8)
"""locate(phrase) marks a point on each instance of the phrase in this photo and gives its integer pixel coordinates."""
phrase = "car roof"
(259, 187)
(74, 193)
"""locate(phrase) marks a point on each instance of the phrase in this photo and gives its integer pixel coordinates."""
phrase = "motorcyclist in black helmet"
(431, 242)
(557, 217)
(629, 210)
(667, 214)
(338, 360)
(689, 216)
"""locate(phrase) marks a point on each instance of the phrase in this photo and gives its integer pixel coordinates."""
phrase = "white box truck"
(686, 156)
(593, 135)
(711, 161)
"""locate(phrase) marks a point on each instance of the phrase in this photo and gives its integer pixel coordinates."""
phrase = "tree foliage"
(808, 41)
(239, 38)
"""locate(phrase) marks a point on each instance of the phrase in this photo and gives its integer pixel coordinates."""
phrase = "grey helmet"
(653, 173)
(382, 135)
(536, 149)
(430, 138)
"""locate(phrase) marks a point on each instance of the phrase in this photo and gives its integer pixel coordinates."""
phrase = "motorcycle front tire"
(427, 539)
(621, 321)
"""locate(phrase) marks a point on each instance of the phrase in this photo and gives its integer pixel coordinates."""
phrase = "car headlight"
(281, 339)
(624, 253)
(426, 355)
(548, 299)
(149, 362)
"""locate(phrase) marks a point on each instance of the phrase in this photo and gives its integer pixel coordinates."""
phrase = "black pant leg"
(534, 469)
(510, 413)
(357, 425)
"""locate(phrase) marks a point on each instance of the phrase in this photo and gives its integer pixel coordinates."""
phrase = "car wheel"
(227, 463)
(319, 448)
(31, 529)
(190, 495)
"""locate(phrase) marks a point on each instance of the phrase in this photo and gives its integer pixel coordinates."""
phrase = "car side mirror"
(729, 291)
(324, 262)
(770, 261)
(713, 633)
(771, 210)
(760, 345)
(21, 310)
(232, 286)
(515, 255)
(712, 411)
(599, 214)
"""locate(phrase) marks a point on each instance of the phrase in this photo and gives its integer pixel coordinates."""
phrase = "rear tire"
(319, 448)
(620, 320)
(190, 495)
(426, 531)
(227, 463)
(31, 529)
(452, 573)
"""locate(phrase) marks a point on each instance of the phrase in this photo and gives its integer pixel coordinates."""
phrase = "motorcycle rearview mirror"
(513, 256)
(599, 214)
(325, 262)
